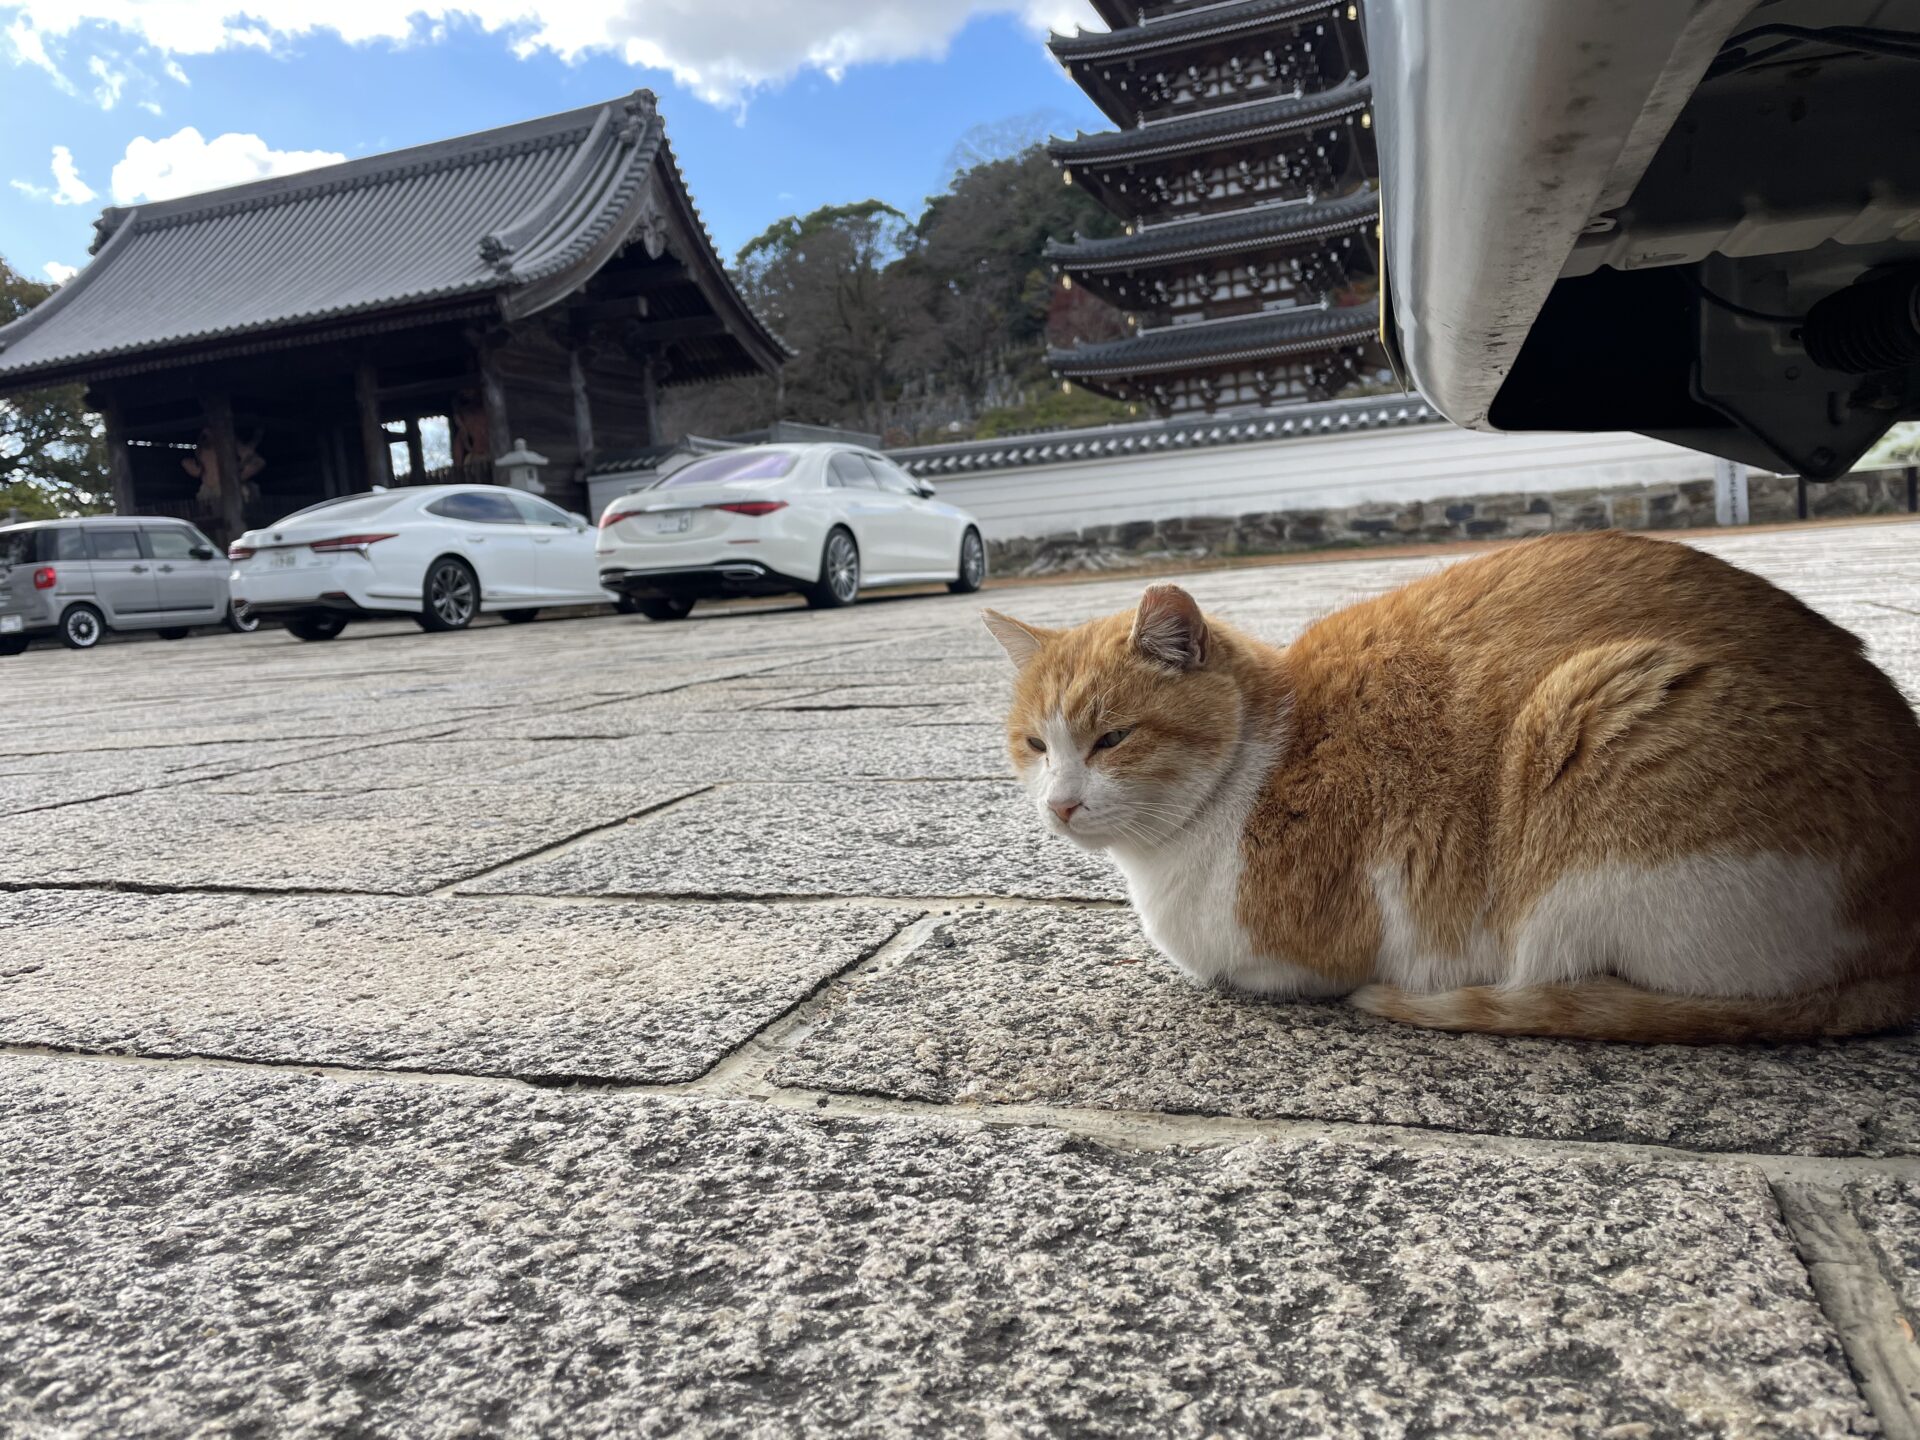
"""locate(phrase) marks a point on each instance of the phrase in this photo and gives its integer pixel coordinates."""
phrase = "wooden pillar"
(582, 407)
(374, 458)
(218, 412)
(416, 455)
(1913, 488)
(650, 392)
(119, 459)
(494, 394)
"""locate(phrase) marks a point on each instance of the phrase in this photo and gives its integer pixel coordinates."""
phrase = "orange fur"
(1576, 710)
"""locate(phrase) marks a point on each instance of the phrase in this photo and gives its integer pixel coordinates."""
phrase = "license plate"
(671, 524)
(11, 624)
(285, 559)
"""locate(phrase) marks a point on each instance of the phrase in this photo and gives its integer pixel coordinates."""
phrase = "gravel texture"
(1075, 1008)
(918, 838)
(606, 993)
(219, 1254)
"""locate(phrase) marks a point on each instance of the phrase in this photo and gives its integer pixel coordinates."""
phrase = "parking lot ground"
(606, 1028)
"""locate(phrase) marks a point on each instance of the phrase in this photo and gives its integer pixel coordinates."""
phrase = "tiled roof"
(514, 218)
(1179, 31)
(1106, 442)
(1228, 234)
(1233, 124)
(1221, 342)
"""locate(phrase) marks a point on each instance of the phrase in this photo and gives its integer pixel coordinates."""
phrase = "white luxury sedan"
(825, 521)
(439, 553)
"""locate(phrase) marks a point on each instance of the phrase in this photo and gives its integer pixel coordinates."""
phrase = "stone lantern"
(520, 468)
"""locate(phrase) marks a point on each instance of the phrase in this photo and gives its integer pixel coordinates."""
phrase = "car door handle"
(166, 569)
(543, 539)
(136, 569)
(476, 539)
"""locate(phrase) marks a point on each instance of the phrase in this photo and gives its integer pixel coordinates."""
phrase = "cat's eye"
(1036, 744)
(1112, 738)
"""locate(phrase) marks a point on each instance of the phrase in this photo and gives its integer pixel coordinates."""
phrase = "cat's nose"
(1063, 808)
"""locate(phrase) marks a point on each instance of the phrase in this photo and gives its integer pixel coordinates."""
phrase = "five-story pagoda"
(1245, 168)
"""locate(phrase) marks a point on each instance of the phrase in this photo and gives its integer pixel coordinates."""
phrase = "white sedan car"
(824, 521)
(439, 553)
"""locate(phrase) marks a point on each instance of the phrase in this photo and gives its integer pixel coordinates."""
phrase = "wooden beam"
(416, 454)
(664, 332)
(231, 495)
(652, 277)
(119, 461)
(589, 312)
(375, 459)
(582, 406)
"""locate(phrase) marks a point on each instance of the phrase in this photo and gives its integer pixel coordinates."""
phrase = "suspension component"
(1871, 326)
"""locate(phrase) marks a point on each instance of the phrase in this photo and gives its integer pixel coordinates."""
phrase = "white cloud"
(67, 188)
(107, 93)
(152, 107)
(186, 162)
(721, 50)
(58, 273)
(25, 47)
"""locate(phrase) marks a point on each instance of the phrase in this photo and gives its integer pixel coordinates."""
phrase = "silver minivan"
(78, 579)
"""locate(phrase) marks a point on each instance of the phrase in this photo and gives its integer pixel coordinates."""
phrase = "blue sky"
(771, 112)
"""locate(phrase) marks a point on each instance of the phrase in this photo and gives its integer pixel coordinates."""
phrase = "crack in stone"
(560, 847)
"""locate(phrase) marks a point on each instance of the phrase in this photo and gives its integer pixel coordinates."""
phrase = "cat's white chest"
(1187, 896)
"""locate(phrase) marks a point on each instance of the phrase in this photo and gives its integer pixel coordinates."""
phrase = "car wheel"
(316, 627)
(519, 617)
(13, 644)
(241, 620)
(81, 628)
(973, 564)
(451, 596)
(671, 608)
(173, 632)
(839, 582)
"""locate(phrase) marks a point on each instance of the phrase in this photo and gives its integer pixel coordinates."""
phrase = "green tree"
(822, 280)
(53, 456)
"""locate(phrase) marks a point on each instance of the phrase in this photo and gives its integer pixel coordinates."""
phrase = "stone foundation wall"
(1685, 505)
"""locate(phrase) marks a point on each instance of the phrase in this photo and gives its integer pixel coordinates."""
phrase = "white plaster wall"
(1427, 462)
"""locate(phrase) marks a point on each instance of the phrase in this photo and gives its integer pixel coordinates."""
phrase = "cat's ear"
(1021, 641)
(1169, 629)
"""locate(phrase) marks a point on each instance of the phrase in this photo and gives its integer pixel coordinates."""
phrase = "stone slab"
(193, 1253)
(1888, 1210)
(32, 782)
(630, 993)
(396, 842)
(933, 839)
(1075, 1008)
(773, 753)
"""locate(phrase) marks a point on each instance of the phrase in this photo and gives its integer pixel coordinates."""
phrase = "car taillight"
(339, 543)
(45, 578)
(610, 519)
(752, 507)
(237, 551)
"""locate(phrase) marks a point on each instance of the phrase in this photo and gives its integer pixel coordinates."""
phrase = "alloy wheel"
(843, 568)
(450, 592)
(973, 561)
(83, 629)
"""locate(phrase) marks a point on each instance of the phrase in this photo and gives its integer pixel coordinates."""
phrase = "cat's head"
(1121, 728)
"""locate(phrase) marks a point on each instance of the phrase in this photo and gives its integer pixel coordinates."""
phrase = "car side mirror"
(201, 552)
(580, 520)
(926, 489)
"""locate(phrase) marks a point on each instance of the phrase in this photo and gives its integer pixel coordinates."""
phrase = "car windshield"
(735, 468)
(352, 507)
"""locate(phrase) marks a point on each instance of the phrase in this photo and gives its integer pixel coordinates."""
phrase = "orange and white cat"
(1590, 785)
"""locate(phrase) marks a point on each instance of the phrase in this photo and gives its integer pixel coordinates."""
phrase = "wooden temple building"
(1245, 169)
(256, 349)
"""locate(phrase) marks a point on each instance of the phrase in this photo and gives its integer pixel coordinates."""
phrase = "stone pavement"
(600, 1028)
